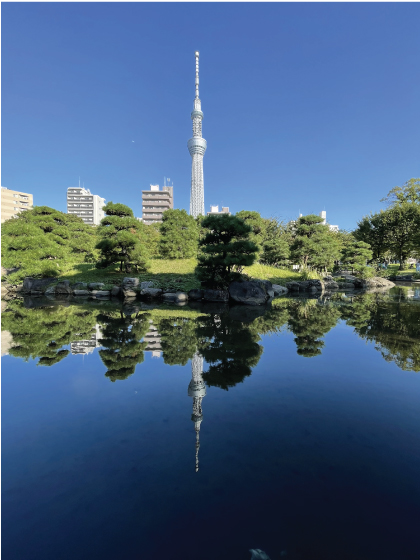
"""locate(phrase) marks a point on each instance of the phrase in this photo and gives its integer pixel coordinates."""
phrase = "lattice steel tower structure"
(197, 146)
(197, 390)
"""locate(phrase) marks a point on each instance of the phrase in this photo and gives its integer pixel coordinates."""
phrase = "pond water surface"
(201, 433)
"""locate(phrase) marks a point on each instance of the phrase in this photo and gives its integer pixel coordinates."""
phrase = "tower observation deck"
(197, 147)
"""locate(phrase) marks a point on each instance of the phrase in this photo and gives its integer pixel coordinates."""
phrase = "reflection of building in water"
(197, 390)
(6, 342)
(152, 339)
(87, 346)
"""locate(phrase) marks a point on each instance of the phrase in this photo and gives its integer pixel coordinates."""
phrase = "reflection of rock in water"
(258, 554)
(87, 346)
(197, 390)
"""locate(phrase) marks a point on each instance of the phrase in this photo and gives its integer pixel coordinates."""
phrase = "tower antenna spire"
(197, 80)
(197, 147)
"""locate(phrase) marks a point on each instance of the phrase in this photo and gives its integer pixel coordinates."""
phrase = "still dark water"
(303, 423)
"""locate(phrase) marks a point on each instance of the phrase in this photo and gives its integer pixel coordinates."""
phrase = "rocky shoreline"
(250, 292)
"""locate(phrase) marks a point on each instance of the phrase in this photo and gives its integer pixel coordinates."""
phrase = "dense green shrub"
(179, 235)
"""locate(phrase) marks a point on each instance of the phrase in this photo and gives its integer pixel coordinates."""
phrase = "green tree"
(225, 249)
(276, 243)
(409, 192)
(123, 348)
(403, 223)
(355, 254)
(120, 242)
(257, 223)
(149, 235)
(313, 244)
(374, 230)
(179, 235)
(45, 242)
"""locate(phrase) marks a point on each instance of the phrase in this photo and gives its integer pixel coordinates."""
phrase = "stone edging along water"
(250, 292)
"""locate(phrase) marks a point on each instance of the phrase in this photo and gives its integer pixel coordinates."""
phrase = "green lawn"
(176, 274)
(393, 269)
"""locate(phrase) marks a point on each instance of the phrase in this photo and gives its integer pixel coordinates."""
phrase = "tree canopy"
(225, 249)
(120, 242)
(44, 242)
(179, 235)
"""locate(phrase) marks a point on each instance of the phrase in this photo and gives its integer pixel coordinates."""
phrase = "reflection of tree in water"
(121, 341)
(393, 325)
(178, 339)
(309, 322)
(42, 332)
(229, 347)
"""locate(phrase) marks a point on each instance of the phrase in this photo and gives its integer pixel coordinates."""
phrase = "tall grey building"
(155, 202)
(83, 203)
(197, 147)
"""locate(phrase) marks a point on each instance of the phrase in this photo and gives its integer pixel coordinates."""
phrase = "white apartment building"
(85, 205)
(214, 210)
(155, 202)
(323, 215)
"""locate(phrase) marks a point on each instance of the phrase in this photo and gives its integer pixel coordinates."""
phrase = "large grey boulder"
(347, 285)
(116, 291)
(37, 284)
(377, 282)
(81, 292)
(130, 283)
(248, 293)
(129, 293)
(50, 291)
(279, 290)
(103, 293)
(293, 286)
(96, 286)
(216, 295)
(145, 285)
(195, 294)
(63, 288)
(150, 293)
(331, 285)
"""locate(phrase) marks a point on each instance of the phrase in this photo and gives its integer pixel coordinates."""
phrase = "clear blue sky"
(306, 106)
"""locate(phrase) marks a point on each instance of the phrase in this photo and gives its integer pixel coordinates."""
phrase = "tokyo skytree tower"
(197, 146)
(197, 390)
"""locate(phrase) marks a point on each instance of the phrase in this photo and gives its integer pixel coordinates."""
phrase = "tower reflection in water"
(197, 390)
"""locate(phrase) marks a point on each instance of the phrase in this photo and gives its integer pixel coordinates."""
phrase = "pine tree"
(120, 242)
(179, 235)
(44, 242)
(276, 243)
(314, 245)
(225, 249)
(356, 254)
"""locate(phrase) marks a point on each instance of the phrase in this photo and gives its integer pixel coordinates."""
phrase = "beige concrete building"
(13, 202)
(155, 202)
